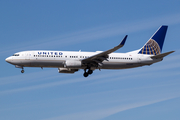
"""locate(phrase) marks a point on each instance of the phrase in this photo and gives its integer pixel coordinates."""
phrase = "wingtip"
(124, 40)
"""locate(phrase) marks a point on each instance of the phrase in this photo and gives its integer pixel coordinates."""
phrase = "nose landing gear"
(17, 66)
(22, 71)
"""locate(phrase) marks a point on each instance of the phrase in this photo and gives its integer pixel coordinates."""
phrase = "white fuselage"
(58, 58)
(71, 62)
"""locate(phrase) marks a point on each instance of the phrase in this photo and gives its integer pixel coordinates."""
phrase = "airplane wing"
(98, 58)
(162, 55)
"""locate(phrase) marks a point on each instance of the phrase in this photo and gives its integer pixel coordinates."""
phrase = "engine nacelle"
(72, 64)
(67, 70)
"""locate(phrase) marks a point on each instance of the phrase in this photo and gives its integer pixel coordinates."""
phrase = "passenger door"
(27, 56)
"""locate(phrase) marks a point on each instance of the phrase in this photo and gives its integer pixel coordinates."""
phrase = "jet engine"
(72, 64)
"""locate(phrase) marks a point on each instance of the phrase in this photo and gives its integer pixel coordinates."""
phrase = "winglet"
(123, 41)
(105, 53)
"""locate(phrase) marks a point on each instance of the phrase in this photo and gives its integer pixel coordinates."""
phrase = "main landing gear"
(22, 71)
(89, 72)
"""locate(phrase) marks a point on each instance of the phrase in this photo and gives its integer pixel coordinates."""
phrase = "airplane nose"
(8, 59)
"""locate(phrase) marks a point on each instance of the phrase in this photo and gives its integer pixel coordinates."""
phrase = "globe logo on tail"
(151, 48)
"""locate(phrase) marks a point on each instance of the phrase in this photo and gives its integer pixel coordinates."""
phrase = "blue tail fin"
(155, 43)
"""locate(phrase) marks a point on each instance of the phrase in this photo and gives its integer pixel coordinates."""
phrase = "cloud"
(103, 113)
(46, 85)
(96, 33)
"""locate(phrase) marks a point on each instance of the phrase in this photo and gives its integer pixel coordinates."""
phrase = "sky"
(144, 93)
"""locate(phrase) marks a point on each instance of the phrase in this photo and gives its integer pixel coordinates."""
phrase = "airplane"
(73, 61)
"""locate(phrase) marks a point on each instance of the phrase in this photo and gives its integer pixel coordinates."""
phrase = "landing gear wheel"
(85, 74)
(90, 71)
(22, 71)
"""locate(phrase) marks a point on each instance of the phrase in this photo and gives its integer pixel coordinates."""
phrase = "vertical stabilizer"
(155, 43)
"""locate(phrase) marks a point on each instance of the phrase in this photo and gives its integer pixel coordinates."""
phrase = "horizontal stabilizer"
(162, 55)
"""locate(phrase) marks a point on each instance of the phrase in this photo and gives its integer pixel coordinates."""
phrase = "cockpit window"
(16, 55)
